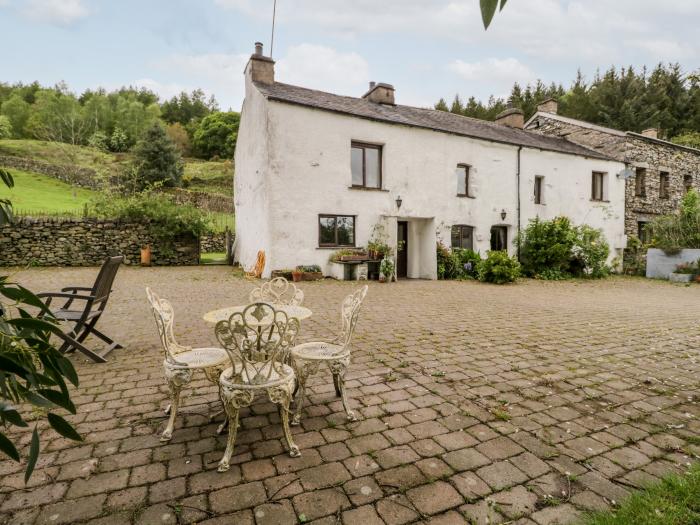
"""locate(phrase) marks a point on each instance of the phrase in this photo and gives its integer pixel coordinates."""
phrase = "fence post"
(227, 242)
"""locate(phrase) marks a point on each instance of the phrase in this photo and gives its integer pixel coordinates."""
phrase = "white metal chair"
(277, 291)
(307, 357)
(181, 361)
(257, 341)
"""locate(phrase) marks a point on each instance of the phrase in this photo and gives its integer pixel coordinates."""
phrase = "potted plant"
(377, 247)
(684, 273)
(386, 270)
(297, 275)
(310, 272)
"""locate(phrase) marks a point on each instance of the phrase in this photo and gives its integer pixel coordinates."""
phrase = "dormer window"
(366, 165)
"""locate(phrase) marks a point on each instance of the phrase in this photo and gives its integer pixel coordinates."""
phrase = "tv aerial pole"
(272, 36)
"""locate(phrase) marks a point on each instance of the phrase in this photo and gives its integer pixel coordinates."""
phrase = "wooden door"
(402, 252)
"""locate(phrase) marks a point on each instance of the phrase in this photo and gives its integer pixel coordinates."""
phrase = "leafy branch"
(488, 10)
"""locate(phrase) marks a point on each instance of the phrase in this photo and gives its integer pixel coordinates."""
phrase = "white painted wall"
(306, 171)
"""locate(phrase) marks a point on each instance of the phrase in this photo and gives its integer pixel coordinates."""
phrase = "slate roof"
(432, 119)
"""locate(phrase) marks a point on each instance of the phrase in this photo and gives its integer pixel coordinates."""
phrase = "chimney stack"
(380, 93)
(261, 68)
(548, 106)
(512, 117)
(652, 133)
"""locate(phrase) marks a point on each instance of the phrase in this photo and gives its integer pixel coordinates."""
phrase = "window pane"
(326, 226)
(356, 164)
(372, 167)
(346, 231)
(461, 180)
(455, 237)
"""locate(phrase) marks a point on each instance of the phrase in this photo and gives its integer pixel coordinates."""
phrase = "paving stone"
(560, 515)
(362, 515)
(530, 464)
(396, 510)
(168, 490)
(516, 502)
(470, 486)
(395, 456)
(501, 475)
(448, 518)
(238, 497)
(465, 459)
(38, 496)
(72, 510)
(627, 458)
(368, 443)
(456, 440)
(590, 501)
(602, 486)
(321, 503)
(400, 478)
(481, 513)
(500, 448)
(363, 490)
(327, 475)
(278, 513)
(433, 498)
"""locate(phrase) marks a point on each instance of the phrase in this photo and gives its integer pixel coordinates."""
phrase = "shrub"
(119, 141)
(546, 246)
(498, 268)
(99, 140)
(590, 253)
(5, 127)
(216, 135)
(167, 221)
(672, 233)
(310, 268)
(446, 263)
(157, 160)
(466, 262)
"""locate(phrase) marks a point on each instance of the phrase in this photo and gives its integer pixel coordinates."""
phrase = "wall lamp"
(503, 215)
(398, 202)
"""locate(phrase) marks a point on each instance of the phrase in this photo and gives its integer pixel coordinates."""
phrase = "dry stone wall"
(86, 242)
(75, 175)
(202, 200)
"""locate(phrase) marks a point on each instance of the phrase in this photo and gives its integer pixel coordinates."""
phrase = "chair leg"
(70, 345)
(232, 412)
(176, 380)
(282, 396)
(105, 338)
(302, 370)
(338, 369)
(336, 384)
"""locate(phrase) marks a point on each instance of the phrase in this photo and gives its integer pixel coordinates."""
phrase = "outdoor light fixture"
(398, 202)
(503, 215)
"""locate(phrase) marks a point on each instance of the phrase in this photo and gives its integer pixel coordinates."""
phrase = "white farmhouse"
(315, 172)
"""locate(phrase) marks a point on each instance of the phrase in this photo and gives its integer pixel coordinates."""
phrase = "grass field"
(42, 195)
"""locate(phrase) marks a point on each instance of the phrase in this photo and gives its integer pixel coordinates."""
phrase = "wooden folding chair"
(257, 271)
(92, 303)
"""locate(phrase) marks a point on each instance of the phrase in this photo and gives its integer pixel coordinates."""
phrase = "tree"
(691, 139)
(118, 142)
(217, 134)
(17, 111)
(442, 105)
(5, 127)
(157, 160)
(178, 134)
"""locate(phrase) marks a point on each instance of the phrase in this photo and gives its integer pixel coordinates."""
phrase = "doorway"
(499, 238)
(402, 250)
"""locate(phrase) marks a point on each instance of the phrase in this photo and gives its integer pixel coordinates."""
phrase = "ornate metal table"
(297, 312)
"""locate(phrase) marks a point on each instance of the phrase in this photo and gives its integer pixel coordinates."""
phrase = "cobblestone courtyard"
(484, 404)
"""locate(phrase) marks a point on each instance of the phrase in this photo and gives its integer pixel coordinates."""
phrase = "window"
(499, 238)
(688, 183)
(463, 187)
(463, 237)
(598, 186)
(640, 181)
(336, 230)
(664, 181)
(539, 189)
(642, 233)
(366, 165)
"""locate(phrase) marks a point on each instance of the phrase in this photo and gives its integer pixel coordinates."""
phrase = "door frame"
(402, 272)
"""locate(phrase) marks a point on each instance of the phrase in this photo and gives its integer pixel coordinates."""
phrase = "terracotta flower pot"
(146, 255)
(296, 276)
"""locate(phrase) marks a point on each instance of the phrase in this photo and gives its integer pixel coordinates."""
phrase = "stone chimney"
(380, 93)
(548, 106)
(511, 117)
(261, 68)
(652, 133)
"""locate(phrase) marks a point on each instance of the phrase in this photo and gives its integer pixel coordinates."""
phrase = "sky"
(426, 48)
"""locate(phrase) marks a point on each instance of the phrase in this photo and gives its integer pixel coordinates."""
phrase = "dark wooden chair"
(90, 303)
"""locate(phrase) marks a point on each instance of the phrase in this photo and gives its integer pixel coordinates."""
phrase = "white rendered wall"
(308, 169)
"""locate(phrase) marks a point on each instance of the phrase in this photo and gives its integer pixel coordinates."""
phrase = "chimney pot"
(512, 117)
(651, 133)
(260, 68)
(258, 49)
(548, 106)
(380, 93)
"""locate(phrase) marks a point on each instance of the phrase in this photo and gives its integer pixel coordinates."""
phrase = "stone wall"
(85, 242)
(201, 200)
(213, 242)
(78, 176)
(654, 155)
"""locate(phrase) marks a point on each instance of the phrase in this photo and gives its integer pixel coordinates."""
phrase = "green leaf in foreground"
(63, 427)
(33, 455)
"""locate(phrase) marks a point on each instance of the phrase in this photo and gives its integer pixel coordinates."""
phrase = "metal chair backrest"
(165, 317)
(105, 278)
(257, 341)
(349, 312)
(277, 291)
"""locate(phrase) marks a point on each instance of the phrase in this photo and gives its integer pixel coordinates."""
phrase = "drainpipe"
(517, 178)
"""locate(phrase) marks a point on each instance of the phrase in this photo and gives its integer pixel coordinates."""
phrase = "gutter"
(517, 185)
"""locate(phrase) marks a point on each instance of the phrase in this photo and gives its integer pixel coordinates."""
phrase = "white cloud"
(56, 12)
(494, 71)
(323, 68)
